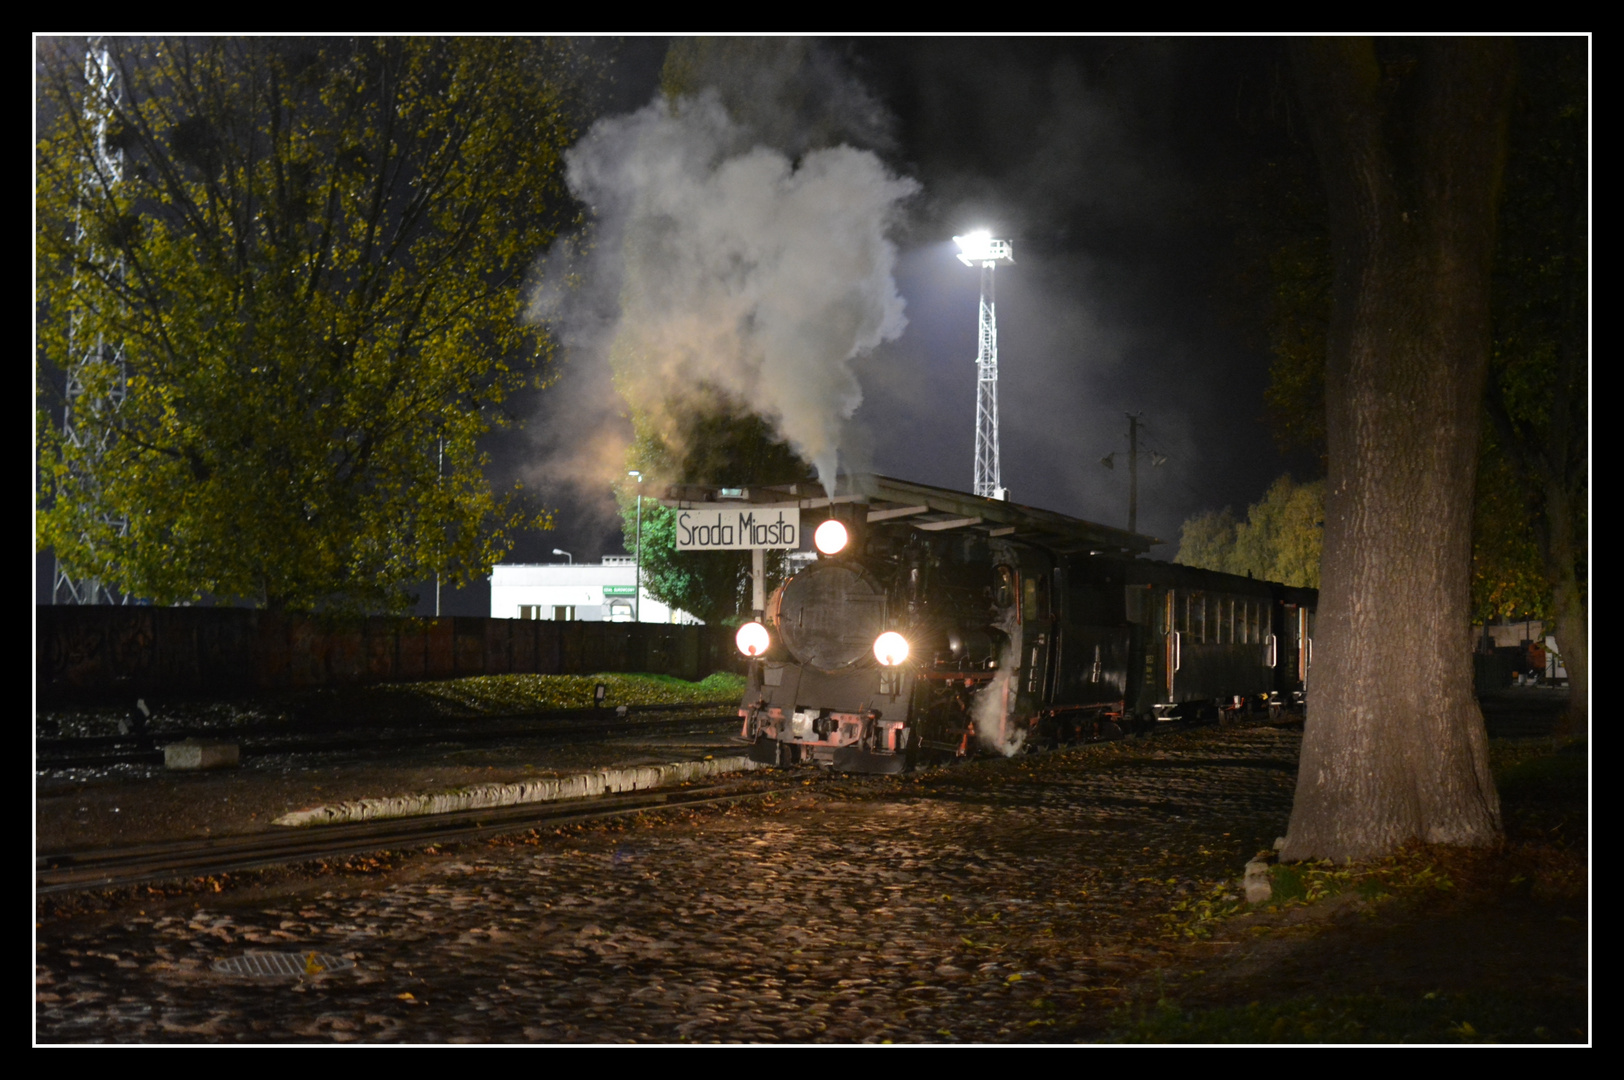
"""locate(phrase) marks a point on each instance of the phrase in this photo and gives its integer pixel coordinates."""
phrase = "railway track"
(107, 868)
(308, 738)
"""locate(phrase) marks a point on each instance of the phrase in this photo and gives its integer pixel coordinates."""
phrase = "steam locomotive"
(936, 624)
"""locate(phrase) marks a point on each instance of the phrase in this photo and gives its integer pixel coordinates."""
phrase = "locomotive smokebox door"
(830, 614)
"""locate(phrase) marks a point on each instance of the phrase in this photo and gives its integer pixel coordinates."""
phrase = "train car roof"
(930, 509)
(1144, 571)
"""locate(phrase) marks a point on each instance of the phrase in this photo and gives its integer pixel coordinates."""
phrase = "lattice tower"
(988, 482)
(987, 468)
(97, 379)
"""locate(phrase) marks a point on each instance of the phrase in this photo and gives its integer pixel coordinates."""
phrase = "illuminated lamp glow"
(830, 537)
(751, 639)
(976, 246)
(890, 648)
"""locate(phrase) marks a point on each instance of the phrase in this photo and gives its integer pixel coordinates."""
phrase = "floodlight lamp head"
(978, 248)
(974, 245)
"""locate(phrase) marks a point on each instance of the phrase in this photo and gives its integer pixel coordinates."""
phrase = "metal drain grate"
(280, 965)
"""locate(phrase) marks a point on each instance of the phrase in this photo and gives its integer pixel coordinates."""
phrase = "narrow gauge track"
(308, 738)
(114, 867)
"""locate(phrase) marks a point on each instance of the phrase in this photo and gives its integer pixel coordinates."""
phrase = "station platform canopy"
(930, 509)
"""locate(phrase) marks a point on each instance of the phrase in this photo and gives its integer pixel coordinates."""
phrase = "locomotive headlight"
(830, 537)
(751, 639)
(890, 648)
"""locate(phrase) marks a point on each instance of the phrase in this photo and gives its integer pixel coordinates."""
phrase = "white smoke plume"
(716, 264)
(989, 710)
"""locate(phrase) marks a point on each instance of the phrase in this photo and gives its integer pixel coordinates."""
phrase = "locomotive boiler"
(935, 624)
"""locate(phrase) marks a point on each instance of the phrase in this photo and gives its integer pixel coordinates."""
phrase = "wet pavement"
(1000, 901)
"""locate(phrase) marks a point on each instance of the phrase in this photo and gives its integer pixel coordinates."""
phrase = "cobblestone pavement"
(1001, 901)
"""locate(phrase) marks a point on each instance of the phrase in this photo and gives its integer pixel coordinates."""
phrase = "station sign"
(738, 527)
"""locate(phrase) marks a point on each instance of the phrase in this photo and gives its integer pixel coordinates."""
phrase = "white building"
(589, 592)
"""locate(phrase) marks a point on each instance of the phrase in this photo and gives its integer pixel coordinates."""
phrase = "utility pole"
(1109, 461)
(980, 249)
(97, 380)
(1133, 472)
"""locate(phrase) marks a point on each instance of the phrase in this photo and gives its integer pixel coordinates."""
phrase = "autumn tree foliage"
(1532, 552)
(310, 252)
(1280, 540)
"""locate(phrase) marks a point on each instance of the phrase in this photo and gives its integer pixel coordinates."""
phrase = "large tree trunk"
(1394, 748)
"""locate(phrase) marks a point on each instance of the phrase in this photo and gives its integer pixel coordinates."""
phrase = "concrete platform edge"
(577, 786)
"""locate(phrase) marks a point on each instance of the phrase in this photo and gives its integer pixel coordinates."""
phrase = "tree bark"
(1412, 149)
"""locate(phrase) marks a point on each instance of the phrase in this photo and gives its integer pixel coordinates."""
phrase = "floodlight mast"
(980, 249)
(97, 379)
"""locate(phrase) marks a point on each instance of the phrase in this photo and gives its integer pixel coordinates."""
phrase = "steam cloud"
(990, 706)
(720, 265)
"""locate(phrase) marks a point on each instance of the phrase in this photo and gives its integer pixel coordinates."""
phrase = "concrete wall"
(92, 654)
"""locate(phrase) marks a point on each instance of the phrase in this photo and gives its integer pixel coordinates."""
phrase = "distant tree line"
(1280, 539)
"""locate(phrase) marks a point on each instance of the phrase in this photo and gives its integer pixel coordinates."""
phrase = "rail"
(107, 868)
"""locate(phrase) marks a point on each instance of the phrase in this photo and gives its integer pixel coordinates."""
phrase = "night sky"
(1111, 164)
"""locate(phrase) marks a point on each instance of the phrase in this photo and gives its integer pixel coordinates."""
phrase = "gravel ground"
(1001, 901)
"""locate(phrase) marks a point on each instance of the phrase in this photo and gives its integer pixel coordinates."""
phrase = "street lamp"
(637, 597)
(567, 555)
